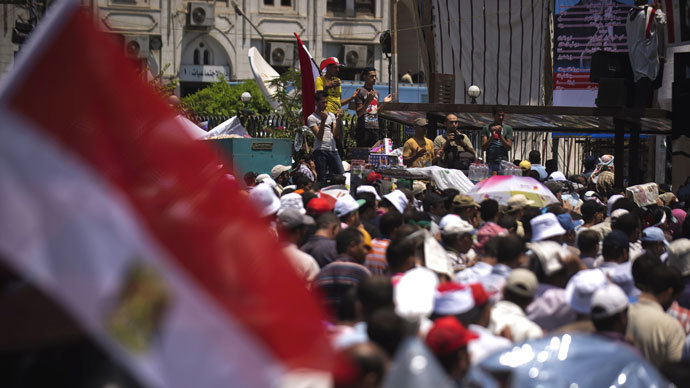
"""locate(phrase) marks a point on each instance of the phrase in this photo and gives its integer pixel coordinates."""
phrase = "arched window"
(196, 57)
(207, 57)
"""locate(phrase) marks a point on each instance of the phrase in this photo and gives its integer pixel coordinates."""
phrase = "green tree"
(223, 99)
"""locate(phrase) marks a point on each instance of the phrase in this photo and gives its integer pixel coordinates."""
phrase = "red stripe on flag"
(84, 94)
(308, 87)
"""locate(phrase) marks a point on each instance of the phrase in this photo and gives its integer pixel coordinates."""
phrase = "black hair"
(509, 248)
(338, 180)
(375, 292)
(488, 209)
(404, 246)
(300, 180)
(370, 201)
(642, 268)
(250, 178)
(627, 223)
(320, 94)
(507, 221)
(527, 215)
(448, 195)
(625, 203)
(607, 323)
(497, 109)
(366, 70)
(346, 237)
(587, 240)
(389, 222)
(551, 165)
(534, 157)
(533, 174)
(307, 196)
(325, 220)
(386, 329)
(663, 277)
(612, 248)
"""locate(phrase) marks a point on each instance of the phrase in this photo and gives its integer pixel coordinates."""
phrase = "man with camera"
(497, 140)
(454, 149)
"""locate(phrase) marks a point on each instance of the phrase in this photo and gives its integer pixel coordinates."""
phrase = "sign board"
(203, 73)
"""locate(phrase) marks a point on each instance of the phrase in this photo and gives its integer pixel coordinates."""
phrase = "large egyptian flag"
(309, 72)
(113, 210)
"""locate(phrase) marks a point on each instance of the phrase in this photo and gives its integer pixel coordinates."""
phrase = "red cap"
(373, 177)
(447, 336)
(329, 61)
(318, 206)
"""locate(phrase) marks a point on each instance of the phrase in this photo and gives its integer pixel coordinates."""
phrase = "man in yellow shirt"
(418, 151)
(330, 83)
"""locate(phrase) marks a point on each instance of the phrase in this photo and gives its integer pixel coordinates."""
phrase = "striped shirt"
(335, 279)
(376, 259)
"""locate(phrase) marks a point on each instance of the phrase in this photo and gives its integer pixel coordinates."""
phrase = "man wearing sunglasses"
(454, 149)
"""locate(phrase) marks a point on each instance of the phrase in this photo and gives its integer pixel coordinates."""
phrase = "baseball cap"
(464, 200)
(398, 199)
(525, 165)
(347, 204)
(291, 200)
(654, 234)
(545, 226)
(567, 222)
(265, 199)
(318, 206)
(453, 224)
(453, 298)
(292, 218)
(679, 255)
(517, 202)
(279, 169)
(420, 122)
(557, 176)
(522, 282)
(582, 286)
(447, 336)
(608, 301)
(368, 189)
(329, 61)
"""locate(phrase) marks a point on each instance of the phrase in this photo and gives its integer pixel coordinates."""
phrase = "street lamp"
(245, 112)
(474, 92)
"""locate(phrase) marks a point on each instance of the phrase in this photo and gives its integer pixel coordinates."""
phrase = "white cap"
(557, 176)
(368, 189)
(545, 226)
(347, 204)
(279, 169)
(265, 178)
(292, 200)
(418, 187)
(265, 199)
(414, 293)
(582, 286)
(550, 255)
(608, 301)
(611, 201)
(453, 224)
(679, 255)
(398, 199)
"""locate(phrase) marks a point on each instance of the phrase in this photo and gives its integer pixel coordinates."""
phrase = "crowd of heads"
(471, 277)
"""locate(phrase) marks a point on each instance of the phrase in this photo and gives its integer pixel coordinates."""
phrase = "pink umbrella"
(502, 187)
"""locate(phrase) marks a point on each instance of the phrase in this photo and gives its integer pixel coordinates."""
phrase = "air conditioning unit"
(282, 54)
(355, 56)
(200, 14)
(137, 46)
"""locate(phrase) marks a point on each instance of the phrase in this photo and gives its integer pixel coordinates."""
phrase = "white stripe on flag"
(64, 225)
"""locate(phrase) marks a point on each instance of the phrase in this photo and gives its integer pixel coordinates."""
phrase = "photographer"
(454, 149)
(497, 140)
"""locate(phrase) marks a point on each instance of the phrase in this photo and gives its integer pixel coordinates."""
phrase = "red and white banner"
(309, 72)
(111, 208)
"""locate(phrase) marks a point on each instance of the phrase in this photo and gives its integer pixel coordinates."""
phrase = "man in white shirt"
(326, 126)
(642, 28)
(508, 315)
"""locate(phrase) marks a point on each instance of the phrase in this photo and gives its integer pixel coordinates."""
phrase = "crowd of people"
(594, 262)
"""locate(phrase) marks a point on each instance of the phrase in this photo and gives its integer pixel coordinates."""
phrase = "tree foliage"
(223, 99)
(289, 96)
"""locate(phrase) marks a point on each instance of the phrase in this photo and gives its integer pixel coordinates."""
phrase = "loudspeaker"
(606, 64)
(613, 93)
